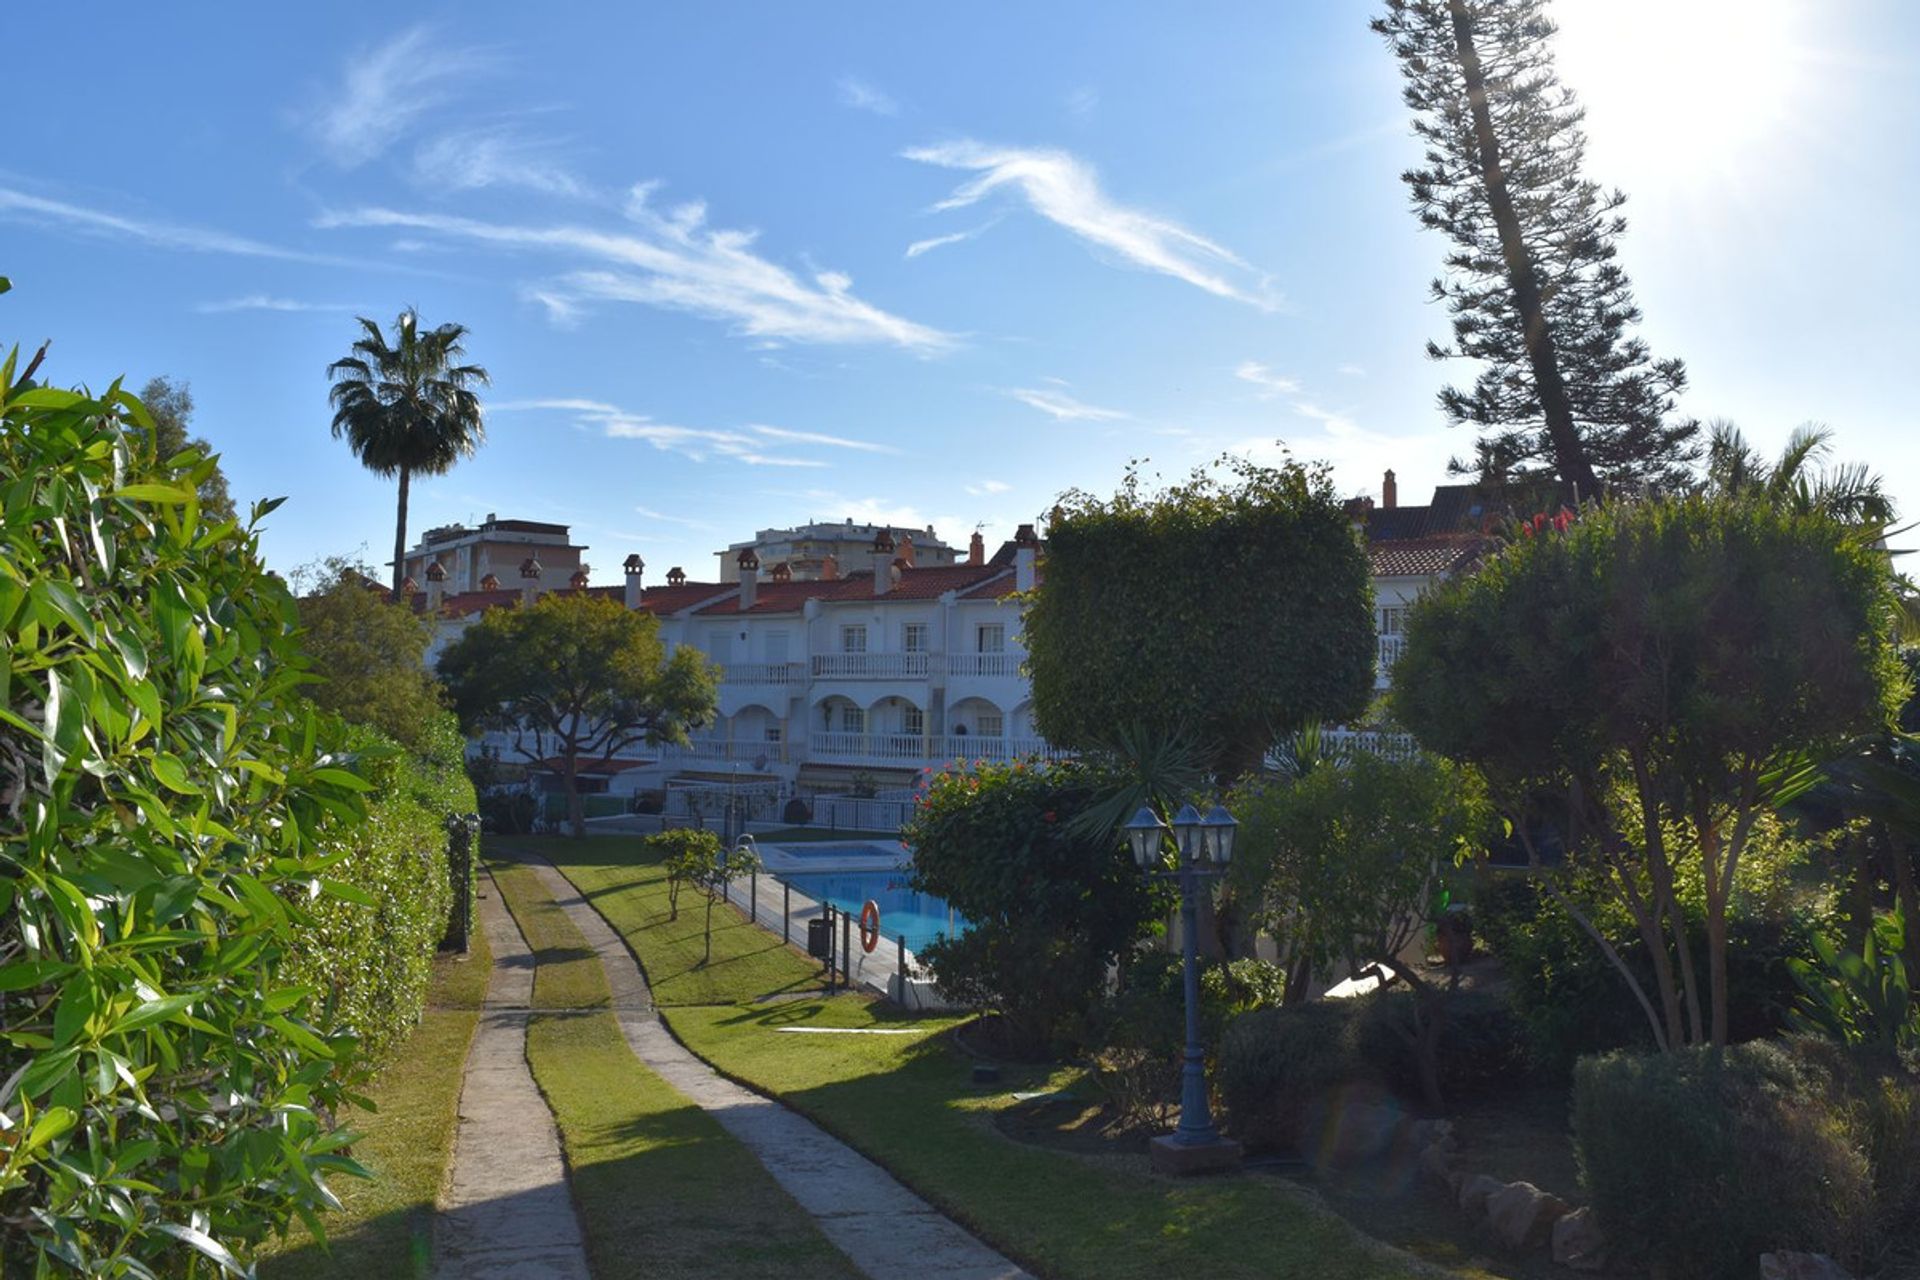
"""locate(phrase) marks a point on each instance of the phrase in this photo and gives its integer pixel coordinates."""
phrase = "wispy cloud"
(18, 206)
(1063, 406)
(989, 488)
(1352, 370)
(1065, 189)
(494, 156)
(674, 260)
(862, 96)
(919, 247)
(267, 302)
(1271, 384)
(1083, 102)
(650, 514)
(387, 88)
(755, 444)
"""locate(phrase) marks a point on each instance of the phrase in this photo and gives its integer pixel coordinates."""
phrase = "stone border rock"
(1519, 1215)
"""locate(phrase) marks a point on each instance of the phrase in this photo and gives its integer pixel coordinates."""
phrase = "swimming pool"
(920, 916)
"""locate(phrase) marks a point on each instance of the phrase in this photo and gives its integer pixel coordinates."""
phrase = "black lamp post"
(1204, 847)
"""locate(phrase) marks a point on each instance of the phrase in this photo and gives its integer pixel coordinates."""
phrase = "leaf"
(152, 1011)
(173, 774)
(342, 778)
(57, 599)
(205, 1243)
(147, 491)
(348, 893)
(54, 1122)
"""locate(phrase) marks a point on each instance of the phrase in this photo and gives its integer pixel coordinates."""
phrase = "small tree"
(1225, 611)
(686, 854)
(581, 674)
(1344, 860)
(714, 875)
(1635, 682)
(171, 404)
(369, 652)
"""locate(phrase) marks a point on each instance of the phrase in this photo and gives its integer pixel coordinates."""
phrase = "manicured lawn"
(632, 894)
(382, 1229)
(907, 1101)
(662, 1189)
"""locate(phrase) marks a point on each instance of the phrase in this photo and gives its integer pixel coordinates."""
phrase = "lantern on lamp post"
(1203, 847)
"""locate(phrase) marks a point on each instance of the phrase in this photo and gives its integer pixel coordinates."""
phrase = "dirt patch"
(1080, 1125)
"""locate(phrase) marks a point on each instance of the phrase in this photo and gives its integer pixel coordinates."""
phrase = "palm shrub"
(164, 1093)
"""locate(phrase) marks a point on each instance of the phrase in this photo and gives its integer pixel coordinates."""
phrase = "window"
(773, 733)
(1393, 619)
(720, 646)
(853, 719)
(913, 721)
(992, 723)
(777, 646)
(853, 639)
(992, 637)
(913, 637)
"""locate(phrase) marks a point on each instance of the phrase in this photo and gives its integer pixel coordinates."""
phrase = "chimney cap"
(436, 572)
(1024, 536)
(882, 542)
(783, 572)
(579, 578)
(748, 558)
(633, 564)
(676, 576)
(490, 583)
(530, 568)
(408, 586)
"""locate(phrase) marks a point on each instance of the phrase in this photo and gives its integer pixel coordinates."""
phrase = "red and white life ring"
(870, 925)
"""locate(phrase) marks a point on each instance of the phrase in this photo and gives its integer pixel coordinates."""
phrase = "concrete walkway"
(507, 1211)
(884, 1229)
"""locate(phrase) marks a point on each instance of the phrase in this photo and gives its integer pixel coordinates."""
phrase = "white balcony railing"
(764, 673)
(968, 747)
(983, 664)
(870, 666)
(911, 748)
(1391, 648)
(904, 748)
(708, 748)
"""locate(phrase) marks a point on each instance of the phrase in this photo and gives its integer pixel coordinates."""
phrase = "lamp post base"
(1177, 1158)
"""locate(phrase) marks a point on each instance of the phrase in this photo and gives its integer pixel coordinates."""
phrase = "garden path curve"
(887, 1231)
(507, 1210)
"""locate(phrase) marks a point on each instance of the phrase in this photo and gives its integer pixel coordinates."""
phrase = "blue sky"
(741, 266)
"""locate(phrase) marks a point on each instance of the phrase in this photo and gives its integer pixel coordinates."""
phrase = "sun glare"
(1692, 88)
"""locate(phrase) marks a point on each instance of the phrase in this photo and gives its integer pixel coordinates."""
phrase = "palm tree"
(408, 407)
(1796, 480)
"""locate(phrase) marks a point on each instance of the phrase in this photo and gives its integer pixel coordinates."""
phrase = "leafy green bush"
(369, 960)
(1571, 998)
(1278, 1066)
(1051, 907)
(1140, 1031)
(165, 786)
(1703, 1160)
(687, 854)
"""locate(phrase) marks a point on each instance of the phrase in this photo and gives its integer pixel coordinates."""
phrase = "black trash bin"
(820, 938)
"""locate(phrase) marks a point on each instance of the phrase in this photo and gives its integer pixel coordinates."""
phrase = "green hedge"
(1698, 1162)
(370, 964)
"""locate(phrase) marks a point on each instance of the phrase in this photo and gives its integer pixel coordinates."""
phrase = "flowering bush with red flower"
(1050, 905)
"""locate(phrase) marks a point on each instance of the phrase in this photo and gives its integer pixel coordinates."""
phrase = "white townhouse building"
(868, 662)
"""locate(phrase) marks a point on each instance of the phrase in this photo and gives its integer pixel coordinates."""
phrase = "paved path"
(886, 1230)
(507, 1213)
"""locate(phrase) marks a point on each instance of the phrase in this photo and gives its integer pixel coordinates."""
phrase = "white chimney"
(1026, 552)
(635, 567)
(882, 562)
(436, 584)
(749, 577)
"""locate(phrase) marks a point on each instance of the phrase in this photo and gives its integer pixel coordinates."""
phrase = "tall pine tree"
(1565, 389)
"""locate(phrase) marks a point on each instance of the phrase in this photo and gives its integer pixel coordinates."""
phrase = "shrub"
(1704, 1160)
(1141, 1029)
(687, 855)
(1051, 906)
(370, 960)
(165, 786)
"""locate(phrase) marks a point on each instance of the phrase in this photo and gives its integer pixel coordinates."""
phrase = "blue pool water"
(920, 916)
(824, 851)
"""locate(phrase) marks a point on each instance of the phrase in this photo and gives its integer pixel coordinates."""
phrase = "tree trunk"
(576, 809)
(1569, 454)
(706, 955)
(400, 536)
(1907, 894)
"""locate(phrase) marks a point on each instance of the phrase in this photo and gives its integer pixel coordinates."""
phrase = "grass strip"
(908, 1102)
(567, 973)
(662, 1189)
(746, 958)
(383, 1228)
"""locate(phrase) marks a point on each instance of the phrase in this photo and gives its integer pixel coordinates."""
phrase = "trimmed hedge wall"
(370, 965)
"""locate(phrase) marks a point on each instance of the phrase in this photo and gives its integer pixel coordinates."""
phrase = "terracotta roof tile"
(1421, 557)
(925, 582)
